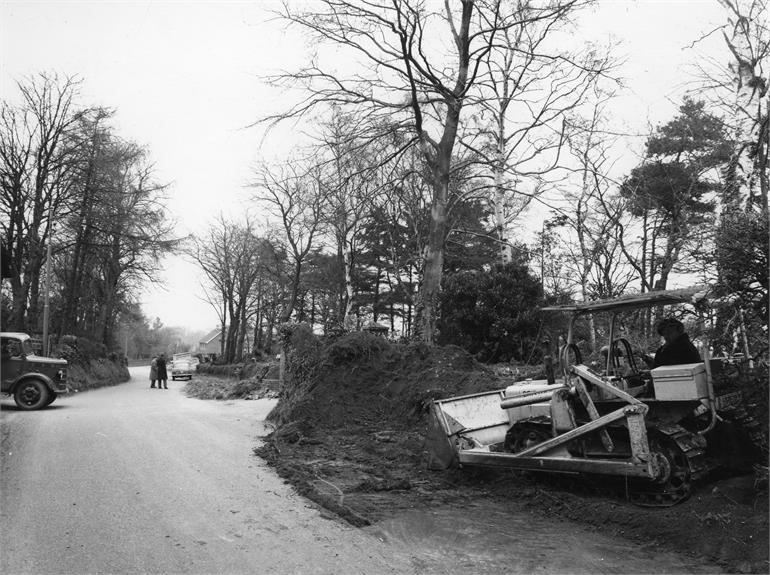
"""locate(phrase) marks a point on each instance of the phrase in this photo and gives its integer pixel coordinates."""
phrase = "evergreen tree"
(492, 314)
(671, 193)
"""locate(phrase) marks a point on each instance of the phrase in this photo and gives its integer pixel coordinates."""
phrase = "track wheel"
(526, 434)
(674, 482)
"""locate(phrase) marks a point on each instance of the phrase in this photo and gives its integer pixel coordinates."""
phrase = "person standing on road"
(162, 374)
(154, 372)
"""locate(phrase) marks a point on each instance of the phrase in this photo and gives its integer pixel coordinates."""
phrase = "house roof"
(211, 336)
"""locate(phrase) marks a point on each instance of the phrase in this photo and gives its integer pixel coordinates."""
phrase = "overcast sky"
(184, 79)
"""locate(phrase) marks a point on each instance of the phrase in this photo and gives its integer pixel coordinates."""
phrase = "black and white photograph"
(363, 287)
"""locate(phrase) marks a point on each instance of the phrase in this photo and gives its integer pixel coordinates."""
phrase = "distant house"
(377, 329)
(211, 344)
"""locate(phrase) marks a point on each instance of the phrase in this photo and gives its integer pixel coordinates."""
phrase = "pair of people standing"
(158, 371)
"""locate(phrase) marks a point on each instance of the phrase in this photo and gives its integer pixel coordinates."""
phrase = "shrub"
(354, 346)
(80, 350)
(493, 315)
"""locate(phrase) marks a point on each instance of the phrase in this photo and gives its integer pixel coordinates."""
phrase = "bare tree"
(269, 293)
(138, 233)
(295, 195)
(417, 67)
(80, 259)
(396, 235)
(37, 158)
(529, 87)
(736, 83)
(112, 233)
(748, 38)
(231, 256)
(351, 179)
(593, 249)
(64, 167)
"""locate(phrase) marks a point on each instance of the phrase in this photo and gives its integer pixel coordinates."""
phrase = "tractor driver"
(677, 348)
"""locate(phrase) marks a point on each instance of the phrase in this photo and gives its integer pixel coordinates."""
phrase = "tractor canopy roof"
(691, 295)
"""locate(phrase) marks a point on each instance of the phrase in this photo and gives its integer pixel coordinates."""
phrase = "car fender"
(34, 375)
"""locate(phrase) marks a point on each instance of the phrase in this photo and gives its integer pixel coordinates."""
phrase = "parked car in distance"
(34, 381)
(182, 366)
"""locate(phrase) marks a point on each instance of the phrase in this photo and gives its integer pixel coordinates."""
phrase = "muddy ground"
(349, 434)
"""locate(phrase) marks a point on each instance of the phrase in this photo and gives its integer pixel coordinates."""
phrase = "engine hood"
(46, 360)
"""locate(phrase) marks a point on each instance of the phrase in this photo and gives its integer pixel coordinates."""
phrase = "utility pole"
(47, 294)
(47, 298)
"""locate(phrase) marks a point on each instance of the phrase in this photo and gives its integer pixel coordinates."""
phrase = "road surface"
(130, 479)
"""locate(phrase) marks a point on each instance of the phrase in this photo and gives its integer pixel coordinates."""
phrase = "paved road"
(137, 480)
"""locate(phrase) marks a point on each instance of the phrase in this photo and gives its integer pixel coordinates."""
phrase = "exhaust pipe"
(530, 398)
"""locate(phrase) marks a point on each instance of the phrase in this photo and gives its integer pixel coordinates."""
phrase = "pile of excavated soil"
(349, 434)
(203, 386)
(363, 381)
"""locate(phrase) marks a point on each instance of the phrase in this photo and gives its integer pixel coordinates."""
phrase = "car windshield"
(13, 347)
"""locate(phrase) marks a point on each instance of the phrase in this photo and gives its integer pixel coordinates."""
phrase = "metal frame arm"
(594, 425)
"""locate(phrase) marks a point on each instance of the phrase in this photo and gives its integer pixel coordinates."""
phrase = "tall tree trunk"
(232, 332)
(19, 290)
(289, 308)
(222, 337)
(269, 333)
(111, 283)
(258, 320)
(376, 295)
(439, 158)
(312, 310)
(36, 262)
(434, 250)
(500, 216)
(431, 279)
(744, 189)
(72, 288)
(347, 256)
(242, 332)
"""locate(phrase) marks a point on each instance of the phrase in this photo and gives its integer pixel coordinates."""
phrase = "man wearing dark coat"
(678, 348)
(162, 373)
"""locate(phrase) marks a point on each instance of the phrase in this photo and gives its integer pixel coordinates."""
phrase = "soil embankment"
(96, 373)
(349, 434)
(90, 366)
(240, 381)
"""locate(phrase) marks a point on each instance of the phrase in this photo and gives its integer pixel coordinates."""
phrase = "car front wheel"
(32, 394)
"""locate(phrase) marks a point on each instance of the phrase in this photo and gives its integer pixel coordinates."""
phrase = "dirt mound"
(361, 380)
(246, 370)
(225, 388)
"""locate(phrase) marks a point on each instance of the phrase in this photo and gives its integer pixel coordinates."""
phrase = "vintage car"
(183, 365)
(33, 380)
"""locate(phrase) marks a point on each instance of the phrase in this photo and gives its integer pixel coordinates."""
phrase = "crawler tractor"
(651, 427)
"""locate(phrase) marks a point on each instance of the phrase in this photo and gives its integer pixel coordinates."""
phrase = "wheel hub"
(30, 394)
(663, 467)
